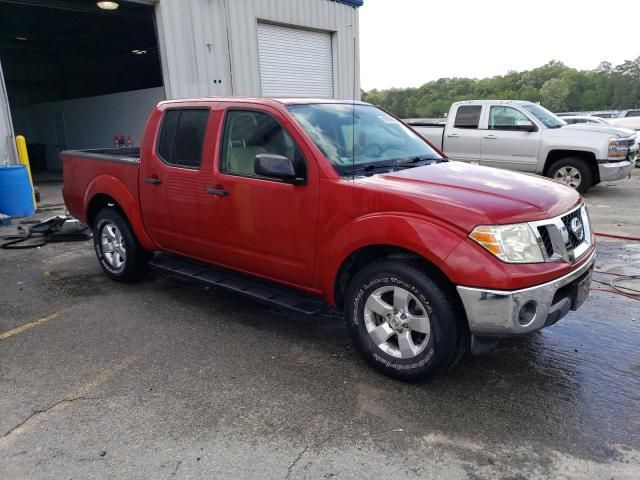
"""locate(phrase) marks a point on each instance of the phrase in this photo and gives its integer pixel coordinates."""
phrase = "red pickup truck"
(306, 204)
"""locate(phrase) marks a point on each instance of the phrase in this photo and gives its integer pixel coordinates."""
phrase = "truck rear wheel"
(121, 256)
(573, 172)
(401, 321)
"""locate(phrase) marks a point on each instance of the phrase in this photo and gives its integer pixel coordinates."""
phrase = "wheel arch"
(363, 256)
(589, 157)
(109, 192)
(100, 201)
(375, 236)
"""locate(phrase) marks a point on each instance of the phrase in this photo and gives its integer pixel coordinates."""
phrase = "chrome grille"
(557, 238)
(629, 142)
(574, 241)
(546, 240)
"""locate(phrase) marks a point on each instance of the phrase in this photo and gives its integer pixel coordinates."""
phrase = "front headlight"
(618, 151)
(510, 243)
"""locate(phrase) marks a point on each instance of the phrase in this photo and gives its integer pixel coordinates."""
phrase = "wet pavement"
(166, 379)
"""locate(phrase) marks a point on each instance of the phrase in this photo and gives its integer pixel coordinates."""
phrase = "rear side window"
(182, 136)
(468, 116)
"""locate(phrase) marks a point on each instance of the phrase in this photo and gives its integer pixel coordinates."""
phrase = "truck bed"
(126, 155)
(433, 132)
(83, 167)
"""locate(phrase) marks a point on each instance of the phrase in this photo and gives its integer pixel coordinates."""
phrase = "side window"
(249, 133)
(182, 136)
(505, 118)
(633, 113)
(468, 116)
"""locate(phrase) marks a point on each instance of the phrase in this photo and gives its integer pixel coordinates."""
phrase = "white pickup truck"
(526, 137)
(627, 119)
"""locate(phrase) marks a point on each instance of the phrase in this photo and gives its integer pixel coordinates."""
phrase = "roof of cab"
(492, 102)
(263, 100)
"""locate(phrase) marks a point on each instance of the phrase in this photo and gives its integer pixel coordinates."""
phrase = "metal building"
(259, 47)
(67, 62)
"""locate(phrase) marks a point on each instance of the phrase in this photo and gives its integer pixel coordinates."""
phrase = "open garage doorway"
(78, 76)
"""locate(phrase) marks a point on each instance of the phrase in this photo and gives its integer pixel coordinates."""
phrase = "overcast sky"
(405, 43)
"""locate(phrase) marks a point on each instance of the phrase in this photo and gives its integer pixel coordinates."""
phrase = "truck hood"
(612, 130)
(468, 195)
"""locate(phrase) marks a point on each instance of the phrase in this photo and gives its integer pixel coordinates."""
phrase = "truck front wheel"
(401, 321)
(120, 255)
(573, 172)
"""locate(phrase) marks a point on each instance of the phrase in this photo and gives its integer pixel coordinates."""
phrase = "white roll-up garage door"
(295, 62)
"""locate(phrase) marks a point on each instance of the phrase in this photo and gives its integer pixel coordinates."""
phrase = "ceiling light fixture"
(108, 5)
(139, 52)
(22, 39)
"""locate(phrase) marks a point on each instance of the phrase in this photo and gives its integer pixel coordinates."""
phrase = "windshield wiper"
(414, 161)
(369, 169)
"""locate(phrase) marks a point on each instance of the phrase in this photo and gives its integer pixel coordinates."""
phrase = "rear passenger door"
(172, 181)
(262, 225)
(462, 138)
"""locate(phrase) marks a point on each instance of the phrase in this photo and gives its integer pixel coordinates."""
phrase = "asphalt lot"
(166, 379)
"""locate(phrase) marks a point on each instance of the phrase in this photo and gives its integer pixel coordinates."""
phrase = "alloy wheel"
(569, 176)
(397, 322)
(113, 247)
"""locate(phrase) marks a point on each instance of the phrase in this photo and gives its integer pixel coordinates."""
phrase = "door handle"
(220, 192)
(153, 181)
(490, 137)
(453, 135)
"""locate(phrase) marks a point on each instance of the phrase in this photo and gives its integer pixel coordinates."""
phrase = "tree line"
(555, 85)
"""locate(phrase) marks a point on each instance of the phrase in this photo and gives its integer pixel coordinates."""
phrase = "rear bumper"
(496, 313)
(615, 170)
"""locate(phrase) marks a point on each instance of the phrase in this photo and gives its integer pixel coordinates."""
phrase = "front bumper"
(500, 312)
(610, 171)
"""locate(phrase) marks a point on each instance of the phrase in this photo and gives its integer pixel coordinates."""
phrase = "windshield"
(549, 119)
(380, 139)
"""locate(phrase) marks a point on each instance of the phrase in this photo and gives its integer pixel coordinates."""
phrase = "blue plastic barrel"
(16, 195)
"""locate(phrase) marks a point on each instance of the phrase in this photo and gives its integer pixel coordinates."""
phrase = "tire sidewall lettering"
(98, 246)
(357, 319)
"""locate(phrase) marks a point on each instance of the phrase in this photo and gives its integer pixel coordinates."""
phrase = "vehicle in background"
(523, 136)
(628, 119)
(577, 119)
(606, 114)
(274, 200)
(589, 120)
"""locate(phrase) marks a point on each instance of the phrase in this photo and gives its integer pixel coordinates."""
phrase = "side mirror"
(526, 126)
(276, 166)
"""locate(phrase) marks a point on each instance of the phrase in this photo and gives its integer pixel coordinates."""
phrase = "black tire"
(135, 262)
(439, 349)
(579, 164)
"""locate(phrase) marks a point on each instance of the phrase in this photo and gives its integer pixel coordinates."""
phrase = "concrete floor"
(614, 207)
(166, 379)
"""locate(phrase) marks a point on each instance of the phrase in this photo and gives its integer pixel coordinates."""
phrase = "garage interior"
(78, 76)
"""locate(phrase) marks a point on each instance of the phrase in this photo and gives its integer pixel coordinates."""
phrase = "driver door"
(261, 225)
(504, 145)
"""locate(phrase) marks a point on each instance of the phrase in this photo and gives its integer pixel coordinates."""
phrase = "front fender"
(121, 194)
(430, 238)
(547, 150)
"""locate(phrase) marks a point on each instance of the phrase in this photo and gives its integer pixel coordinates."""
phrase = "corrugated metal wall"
(210, 47)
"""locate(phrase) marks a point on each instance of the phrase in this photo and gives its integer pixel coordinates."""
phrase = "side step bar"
(260, 290)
